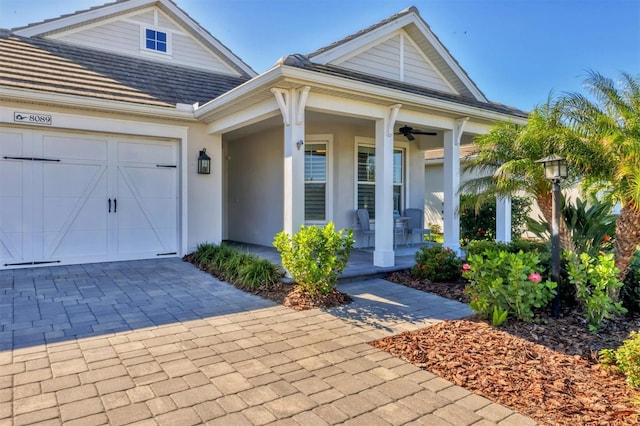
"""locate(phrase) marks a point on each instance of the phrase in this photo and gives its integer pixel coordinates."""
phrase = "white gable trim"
(381, 32)
(121, 8)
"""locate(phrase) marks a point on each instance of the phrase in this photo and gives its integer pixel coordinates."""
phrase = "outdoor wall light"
(204, 163)
(299, 144)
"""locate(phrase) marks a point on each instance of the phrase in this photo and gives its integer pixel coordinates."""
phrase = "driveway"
(159, 342)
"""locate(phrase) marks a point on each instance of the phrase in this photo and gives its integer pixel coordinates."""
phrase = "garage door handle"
(115, 205)
(109, 205)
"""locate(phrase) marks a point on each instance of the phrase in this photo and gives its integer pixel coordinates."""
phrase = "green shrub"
(478, 217)
(315, 257)
(506, 281)
(476, 247)
(220, 256)
(437, 264)
(234, 263)
(595, 281)
(630, 292)
(203, 253)
(258, 273)
(626, 359)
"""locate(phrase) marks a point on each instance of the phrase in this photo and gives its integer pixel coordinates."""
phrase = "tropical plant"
(590, 224)
(500, 281)
(607, 154)
(596, 286)
(315, 256)
(505, 160)
(437, 264)
(258, 273)
(630, 292)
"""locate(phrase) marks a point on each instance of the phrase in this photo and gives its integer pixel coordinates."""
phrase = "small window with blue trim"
(156, 40)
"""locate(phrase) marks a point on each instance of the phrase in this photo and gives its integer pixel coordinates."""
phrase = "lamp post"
(555, 169)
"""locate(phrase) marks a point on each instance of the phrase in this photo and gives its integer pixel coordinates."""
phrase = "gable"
(403, 49)
(156, 30)
(397, 58)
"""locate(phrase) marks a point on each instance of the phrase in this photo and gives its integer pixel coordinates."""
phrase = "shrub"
(258, 273)
(626, 359)
(203, 253)
(511, 282)
(478, 217)
(315, 256)
(234, 263)
(630, 292)
(595, 281)
(437, 264)
(219, 256)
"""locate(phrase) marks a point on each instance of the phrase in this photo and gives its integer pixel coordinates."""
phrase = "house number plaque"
(29, 118)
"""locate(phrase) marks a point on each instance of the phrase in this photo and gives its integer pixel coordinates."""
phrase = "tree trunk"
(627, 237)
(545, 203)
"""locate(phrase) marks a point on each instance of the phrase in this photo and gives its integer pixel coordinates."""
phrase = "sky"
(518, 52)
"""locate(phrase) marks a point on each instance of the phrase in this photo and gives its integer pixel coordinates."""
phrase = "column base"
(384, 258)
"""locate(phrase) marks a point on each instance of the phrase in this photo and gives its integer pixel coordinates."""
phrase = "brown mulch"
(546, 370)
(295, 298)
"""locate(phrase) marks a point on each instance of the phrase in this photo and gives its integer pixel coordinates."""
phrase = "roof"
(303, 62)
(51, 66)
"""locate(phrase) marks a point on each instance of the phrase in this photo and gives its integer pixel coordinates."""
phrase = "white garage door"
(71, 198)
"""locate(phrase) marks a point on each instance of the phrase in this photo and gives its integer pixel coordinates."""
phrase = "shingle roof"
(52, 66)
(302, 61)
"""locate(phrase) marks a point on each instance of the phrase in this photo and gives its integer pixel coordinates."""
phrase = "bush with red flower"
(437, 264)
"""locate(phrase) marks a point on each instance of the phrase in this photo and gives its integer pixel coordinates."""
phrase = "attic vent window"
(156, 40)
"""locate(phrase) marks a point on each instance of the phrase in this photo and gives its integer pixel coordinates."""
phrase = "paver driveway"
(159, 342)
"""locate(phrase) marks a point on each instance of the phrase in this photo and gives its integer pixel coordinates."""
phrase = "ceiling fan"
(408, 132)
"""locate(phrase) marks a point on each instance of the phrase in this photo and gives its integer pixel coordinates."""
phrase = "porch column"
(292, 104)
(503, 219)
(383, 254)
(451, 185)
(214, 149)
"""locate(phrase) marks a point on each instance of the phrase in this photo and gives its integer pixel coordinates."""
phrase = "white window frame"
(371, 143)
(326, 139)
(143, 40)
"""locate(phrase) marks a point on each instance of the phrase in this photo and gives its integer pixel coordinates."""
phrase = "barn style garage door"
(74, 198)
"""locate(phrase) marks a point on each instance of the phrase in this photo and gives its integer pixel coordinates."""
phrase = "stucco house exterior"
(104, 112)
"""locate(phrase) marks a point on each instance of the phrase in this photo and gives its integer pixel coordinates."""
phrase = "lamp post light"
(555, 169)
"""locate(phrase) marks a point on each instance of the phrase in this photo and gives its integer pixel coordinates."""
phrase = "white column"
(292, 104)
(384, 254)
(503, 219)
(451, 185)
(214, 149)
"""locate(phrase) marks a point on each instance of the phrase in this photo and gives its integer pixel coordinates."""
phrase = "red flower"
(535, 277)
(480, 231)
(606, 237)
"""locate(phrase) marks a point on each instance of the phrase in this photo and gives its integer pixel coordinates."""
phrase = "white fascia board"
(79, 18)
(429, 120)
(102, 105)
(346, 107)
(232, 96)
(364, 40)
(394, 96)
(246, 117)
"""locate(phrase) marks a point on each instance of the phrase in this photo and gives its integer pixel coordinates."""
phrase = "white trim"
(327, 139)
(402, 37)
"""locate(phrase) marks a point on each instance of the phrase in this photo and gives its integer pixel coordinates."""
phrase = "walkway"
(159, 342)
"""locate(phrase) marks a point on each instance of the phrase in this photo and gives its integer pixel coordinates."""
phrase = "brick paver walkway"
(159, 342)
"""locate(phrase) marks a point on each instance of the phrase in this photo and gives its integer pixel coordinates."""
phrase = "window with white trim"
(315, 181)
(366, 188)
(156, 40)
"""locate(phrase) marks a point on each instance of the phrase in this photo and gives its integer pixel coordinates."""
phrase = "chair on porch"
(415, 224)
(365, 224)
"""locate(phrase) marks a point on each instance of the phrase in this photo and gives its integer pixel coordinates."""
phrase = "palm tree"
(505, 160)
(608, 152)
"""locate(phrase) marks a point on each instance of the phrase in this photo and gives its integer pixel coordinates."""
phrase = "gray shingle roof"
(302, 61)
(51, 66)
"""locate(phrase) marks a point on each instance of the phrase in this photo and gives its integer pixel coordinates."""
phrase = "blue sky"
(516, 51)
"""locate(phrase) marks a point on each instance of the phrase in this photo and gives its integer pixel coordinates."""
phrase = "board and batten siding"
(123, 37)
(397, 58)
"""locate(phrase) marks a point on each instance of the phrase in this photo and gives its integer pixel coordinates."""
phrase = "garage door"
(70, 198)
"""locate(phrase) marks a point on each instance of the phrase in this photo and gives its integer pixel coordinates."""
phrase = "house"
(105, 112)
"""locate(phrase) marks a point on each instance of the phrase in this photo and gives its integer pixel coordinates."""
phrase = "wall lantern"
(555, 169)
(204, 163)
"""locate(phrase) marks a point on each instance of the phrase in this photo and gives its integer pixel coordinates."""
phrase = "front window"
(366, 164)
(156, 40)
(315, 181)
